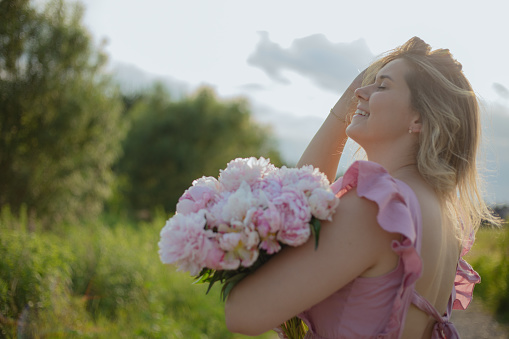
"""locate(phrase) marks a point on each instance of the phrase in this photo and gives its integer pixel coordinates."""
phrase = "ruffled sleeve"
(465, 280)
(398, 212)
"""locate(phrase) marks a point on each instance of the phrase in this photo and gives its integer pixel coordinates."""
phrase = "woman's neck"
(398, 158)
(397, 166)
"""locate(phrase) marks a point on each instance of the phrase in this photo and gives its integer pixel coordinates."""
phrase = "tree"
(171, 143)
(60, 127)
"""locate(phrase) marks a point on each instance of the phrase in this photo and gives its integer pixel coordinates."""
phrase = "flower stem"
(294, 328)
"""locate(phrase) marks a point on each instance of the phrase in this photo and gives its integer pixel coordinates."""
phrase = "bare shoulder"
(355, 221)
(359, 215)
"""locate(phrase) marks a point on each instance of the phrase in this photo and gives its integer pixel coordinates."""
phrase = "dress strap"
(443, 328)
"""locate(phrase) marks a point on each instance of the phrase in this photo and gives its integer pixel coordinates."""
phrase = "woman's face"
(384, 112)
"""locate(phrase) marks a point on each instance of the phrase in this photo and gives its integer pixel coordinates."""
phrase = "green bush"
(107, 272)
(99, 281)
(493, 266)
(34, 283)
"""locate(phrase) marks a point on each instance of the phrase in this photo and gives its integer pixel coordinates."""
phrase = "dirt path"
(477, 323)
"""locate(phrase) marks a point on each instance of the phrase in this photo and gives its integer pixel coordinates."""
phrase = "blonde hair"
(451, 130)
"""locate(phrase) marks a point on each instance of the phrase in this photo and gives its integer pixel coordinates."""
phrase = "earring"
(410, 131)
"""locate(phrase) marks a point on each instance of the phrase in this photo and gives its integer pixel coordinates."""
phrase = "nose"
(362, 93)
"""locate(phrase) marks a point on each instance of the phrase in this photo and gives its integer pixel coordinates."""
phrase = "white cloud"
(501, 90)
(331, 66)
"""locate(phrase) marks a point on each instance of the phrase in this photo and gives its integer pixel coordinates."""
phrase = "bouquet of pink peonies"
(226, 228)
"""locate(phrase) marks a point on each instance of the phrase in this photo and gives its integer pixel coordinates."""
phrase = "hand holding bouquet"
(226, 228)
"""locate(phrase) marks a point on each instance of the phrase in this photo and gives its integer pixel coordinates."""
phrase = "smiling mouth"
(361, 113)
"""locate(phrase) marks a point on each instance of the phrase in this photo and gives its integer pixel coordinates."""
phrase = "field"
(105, 280)
(99, 280)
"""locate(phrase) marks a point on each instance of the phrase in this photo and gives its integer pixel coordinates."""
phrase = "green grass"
(490, 258)
(100, 281)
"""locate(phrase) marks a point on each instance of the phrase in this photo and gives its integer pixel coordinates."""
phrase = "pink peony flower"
(271, 187)
(241, 248)
(186, 243)
(238, 204)
(323, 203)
(305, 179)
(223, 224)
(295, 214)
(203, 192)
(214, 212)
(267, 222)
(270, 244)
(250, 170)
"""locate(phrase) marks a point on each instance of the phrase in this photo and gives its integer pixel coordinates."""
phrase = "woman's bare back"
(440, 254)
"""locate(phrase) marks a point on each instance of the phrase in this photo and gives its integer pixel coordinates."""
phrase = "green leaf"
(315, 226)
(217, 276)
(204, 276)
(230, 282)
(227, 287)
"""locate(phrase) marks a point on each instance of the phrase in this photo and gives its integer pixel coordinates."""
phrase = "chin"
(354, 133)
(358, 137)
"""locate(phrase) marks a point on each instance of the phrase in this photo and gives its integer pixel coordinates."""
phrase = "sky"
(293, 59)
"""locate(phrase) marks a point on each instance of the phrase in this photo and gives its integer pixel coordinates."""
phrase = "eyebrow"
(381, 77)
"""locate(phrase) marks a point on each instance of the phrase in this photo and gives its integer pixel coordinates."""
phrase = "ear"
(416, 124)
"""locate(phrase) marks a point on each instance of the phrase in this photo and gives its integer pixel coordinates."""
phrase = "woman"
(389, 263)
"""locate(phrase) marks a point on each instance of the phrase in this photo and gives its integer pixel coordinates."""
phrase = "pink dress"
(376, 307)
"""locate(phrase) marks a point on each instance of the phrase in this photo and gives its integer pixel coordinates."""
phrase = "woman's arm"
(299, 277)
(326, 147)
